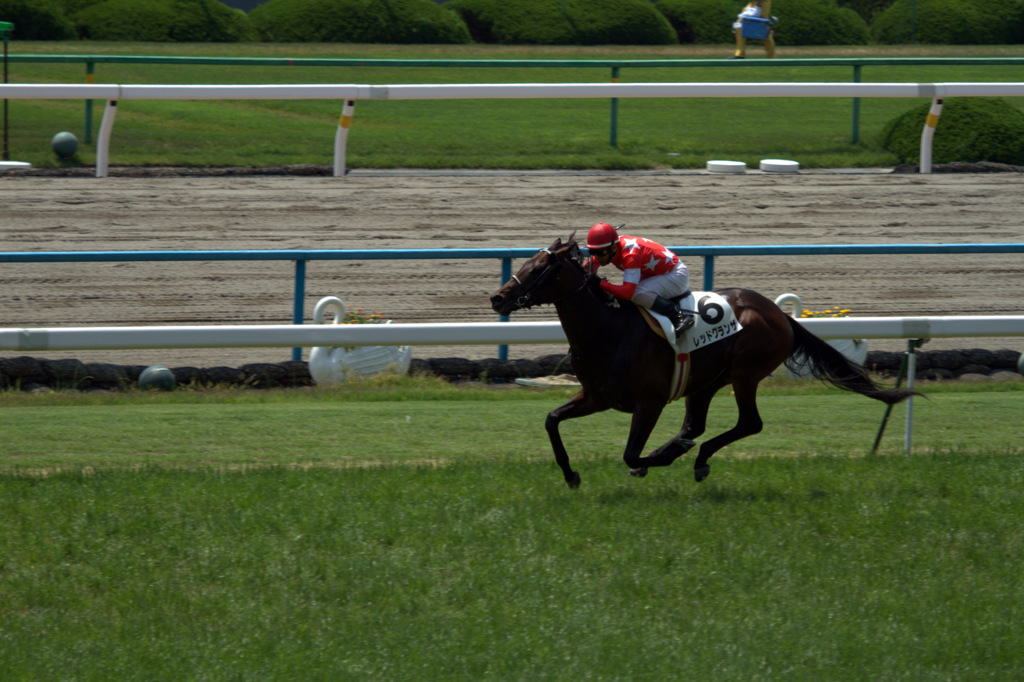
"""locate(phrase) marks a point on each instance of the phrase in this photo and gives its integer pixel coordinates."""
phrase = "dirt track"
(391, 211)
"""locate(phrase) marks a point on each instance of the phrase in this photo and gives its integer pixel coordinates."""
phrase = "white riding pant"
(675, 282)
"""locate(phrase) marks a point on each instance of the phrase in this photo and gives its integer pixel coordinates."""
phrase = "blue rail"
(506, 255)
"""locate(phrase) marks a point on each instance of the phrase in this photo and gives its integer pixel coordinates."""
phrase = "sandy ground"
(397, 210)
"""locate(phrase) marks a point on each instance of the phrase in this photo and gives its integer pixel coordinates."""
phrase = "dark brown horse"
(623, 365)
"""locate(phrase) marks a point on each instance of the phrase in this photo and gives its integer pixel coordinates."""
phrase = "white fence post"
(341, 137)
(908, 426)
(103, 142)
(928, 133)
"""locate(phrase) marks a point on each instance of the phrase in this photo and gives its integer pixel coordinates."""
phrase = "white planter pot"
(331, 366)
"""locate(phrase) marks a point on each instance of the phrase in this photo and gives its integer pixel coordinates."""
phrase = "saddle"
(714, 320)
(713, 316)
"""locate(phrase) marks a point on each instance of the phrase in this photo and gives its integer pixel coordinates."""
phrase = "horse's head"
(540, 280)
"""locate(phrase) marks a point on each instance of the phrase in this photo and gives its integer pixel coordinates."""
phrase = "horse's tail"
(827, 364)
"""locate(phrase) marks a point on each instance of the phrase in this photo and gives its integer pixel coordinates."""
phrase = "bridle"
(554, 264)
(527, 292)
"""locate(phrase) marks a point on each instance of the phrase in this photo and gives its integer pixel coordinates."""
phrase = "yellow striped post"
(928, 133)
(341, 137)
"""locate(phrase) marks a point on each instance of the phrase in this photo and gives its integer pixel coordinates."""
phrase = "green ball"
(64, 144)
(157, 376)
(1020, 364)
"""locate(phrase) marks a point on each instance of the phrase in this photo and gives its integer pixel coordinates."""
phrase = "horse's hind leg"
(747, 424)
(694, 424)
(645, 417)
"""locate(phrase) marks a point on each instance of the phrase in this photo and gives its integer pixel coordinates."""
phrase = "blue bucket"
(754, 27)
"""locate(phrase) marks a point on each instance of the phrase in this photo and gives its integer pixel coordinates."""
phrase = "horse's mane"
(574, 255)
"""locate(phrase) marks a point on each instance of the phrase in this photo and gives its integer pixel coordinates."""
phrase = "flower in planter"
(357, 316)
(834, 311)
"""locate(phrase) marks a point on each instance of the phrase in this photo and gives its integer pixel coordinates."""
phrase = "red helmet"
(601, 235)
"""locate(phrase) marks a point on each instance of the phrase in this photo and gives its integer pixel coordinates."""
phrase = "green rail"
(527, 63)
(857, 64)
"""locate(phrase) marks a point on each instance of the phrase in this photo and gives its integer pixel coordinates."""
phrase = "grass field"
(532, 134)
(413, 530)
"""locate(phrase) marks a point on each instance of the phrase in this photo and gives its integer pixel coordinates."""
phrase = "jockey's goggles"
(601, 253)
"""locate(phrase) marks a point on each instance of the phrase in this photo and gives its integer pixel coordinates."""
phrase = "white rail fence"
(453, 333)
(350, 93)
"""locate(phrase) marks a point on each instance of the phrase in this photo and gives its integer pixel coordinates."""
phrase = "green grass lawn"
(518, 134)
(413, 530)
(416, 419)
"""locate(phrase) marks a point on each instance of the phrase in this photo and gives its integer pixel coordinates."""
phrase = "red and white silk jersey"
(638, 258)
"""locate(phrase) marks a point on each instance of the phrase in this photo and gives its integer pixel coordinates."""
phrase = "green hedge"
(867, 9)
(187, 21)
(701, 21)
(819, 22)
(358, 21)
(72, 6)
(37, 20)
(584, 22)
(538, 22)
(970, 129)
(951, 22)
(801, 22)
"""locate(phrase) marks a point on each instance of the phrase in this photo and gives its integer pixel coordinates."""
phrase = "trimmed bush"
(619, 22)
(701, 21)
(73, 6)
(951, 22)
(867, 9)
(970, 129)
(820, 22)
(358, 21)
(801, 22)
(37, 20)
(187, 21)
(584, 22)
(515, 22)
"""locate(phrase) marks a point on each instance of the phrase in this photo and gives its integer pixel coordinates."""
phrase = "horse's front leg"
(580, 405)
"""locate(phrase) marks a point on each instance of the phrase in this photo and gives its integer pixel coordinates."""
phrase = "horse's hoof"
(639, 472)
(685, 444)
(574, 480)
(700, 473)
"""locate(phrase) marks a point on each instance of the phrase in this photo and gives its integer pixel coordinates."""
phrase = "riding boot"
(680, 321)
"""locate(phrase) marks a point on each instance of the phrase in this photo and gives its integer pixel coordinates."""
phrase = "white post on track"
(103, 142)
(341, 137)
(928, 134)
(908, 428)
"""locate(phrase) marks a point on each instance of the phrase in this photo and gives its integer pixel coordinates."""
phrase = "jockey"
(651, 273)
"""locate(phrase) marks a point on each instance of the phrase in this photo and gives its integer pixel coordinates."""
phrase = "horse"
(622, 363)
